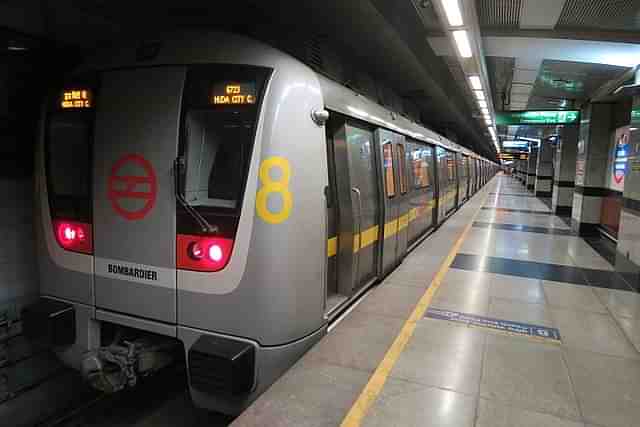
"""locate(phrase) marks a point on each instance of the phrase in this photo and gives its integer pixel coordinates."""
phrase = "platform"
(502, 318)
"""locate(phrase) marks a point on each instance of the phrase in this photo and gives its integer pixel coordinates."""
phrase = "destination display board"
(514, 118)
(233, 93)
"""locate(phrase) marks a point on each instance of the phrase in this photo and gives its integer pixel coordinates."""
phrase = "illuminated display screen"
(233, 93)
(537, 118)
(76, 99)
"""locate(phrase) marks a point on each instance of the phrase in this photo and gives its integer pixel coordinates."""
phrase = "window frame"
(389, 170)
(402, 166)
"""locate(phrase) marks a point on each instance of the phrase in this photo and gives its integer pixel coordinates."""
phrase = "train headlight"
(215, 253)
(195, 251)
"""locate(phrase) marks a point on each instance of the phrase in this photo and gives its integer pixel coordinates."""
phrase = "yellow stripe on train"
(391, 228)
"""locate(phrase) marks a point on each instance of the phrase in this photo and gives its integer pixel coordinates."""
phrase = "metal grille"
(499, 13)
(601, 14)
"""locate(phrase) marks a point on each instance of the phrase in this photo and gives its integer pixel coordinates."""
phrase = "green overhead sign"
(635, 114)
(537, 118)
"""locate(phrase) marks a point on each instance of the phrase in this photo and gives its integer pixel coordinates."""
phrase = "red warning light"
(142, 187)
(200, 253)
(74, 236)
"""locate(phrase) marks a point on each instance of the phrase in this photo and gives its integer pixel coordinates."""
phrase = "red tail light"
(201, 253)
(74, 236)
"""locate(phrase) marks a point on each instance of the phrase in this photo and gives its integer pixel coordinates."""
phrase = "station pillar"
(565, 171)
(628, 250)
(522, 175)
(591, 171)
(532, 163)
(544, 169)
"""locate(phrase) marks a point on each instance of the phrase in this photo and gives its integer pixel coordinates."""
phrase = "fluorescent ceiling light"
(452, 10)
(479, 94)
(482, 104)
(476, 83)
(462, 41)
(488, 121)
(484, 110)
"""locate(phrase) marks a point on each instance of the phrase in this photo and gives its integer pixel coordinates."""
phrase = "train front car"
(181, 200)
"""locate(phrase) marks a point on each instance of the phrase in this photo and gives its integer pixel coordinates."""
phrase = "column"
(544, 169)
(531, 167)
(628, 256)
(565, 171)
(522, 172)
(591, 171)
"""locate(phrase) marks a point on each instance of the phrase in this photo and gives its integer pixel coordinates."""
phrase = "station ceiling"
(542, 54)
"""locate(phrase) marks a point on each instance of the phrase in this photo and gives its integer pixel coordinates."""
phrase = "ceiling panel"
(523, 76)
(499, 13)
(428, 16)
(521, 89)
(621, 15)
(540, 14)
(573, 79)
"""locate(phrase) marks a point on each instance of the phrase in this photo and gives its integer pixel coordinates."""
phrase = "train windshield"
(68, 153)
(219, 125)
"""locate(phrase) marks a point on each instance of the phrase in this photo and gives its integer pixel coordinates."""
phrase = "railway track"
(160, 400)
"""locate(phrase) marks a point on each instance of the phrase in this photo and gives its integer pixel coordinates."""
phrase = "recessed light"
(476, 83)
(462, 41)
(452, 10)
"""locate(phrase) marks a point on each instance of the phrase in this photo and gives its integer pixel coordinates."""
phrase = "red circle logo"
(132, 194)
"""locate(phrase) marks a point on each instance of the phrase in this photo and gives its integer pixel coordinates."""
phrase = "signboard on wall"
(618, 158)
(514, 118)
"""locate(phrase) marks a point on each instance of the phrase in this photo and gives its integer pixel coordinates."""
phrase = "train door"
(392, 197)
(472, 176)
(421, 190)
(464, 179)
(451, 175)
(443, 183)
(354, 204)
(402, 174)
(134, 204)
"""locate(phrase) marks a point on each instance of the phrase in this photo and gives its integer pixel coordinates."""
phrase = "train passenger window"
(451, 168)
(419, 160)
(389, 181)
(402, 164)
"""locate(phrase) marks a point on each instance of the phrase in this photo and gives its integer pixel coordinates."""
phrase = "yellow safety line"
(356, 414)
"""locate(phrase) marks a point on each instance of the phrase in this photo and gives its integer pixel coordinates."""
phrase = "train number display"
(271, 185)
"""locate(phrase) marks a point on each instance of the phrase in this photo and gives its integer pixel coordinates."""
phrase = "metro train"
(211, 198)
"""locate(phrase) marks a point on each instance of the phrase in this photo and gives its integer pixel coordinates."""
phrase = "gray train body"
(312, 212)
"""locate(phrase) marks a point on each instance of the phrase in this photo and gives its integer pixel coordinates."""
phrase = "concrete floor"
(519, 266)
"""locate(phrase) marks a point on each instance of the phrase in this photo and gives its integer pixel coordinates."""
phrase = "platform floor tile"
(593, 332)
(443, 355)
(393, 301)
(311, 394)
(408, 404)
(528, 375)
(608, 388)
(356, 343)
(576, 297)
(495, 414)
(518, 311)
